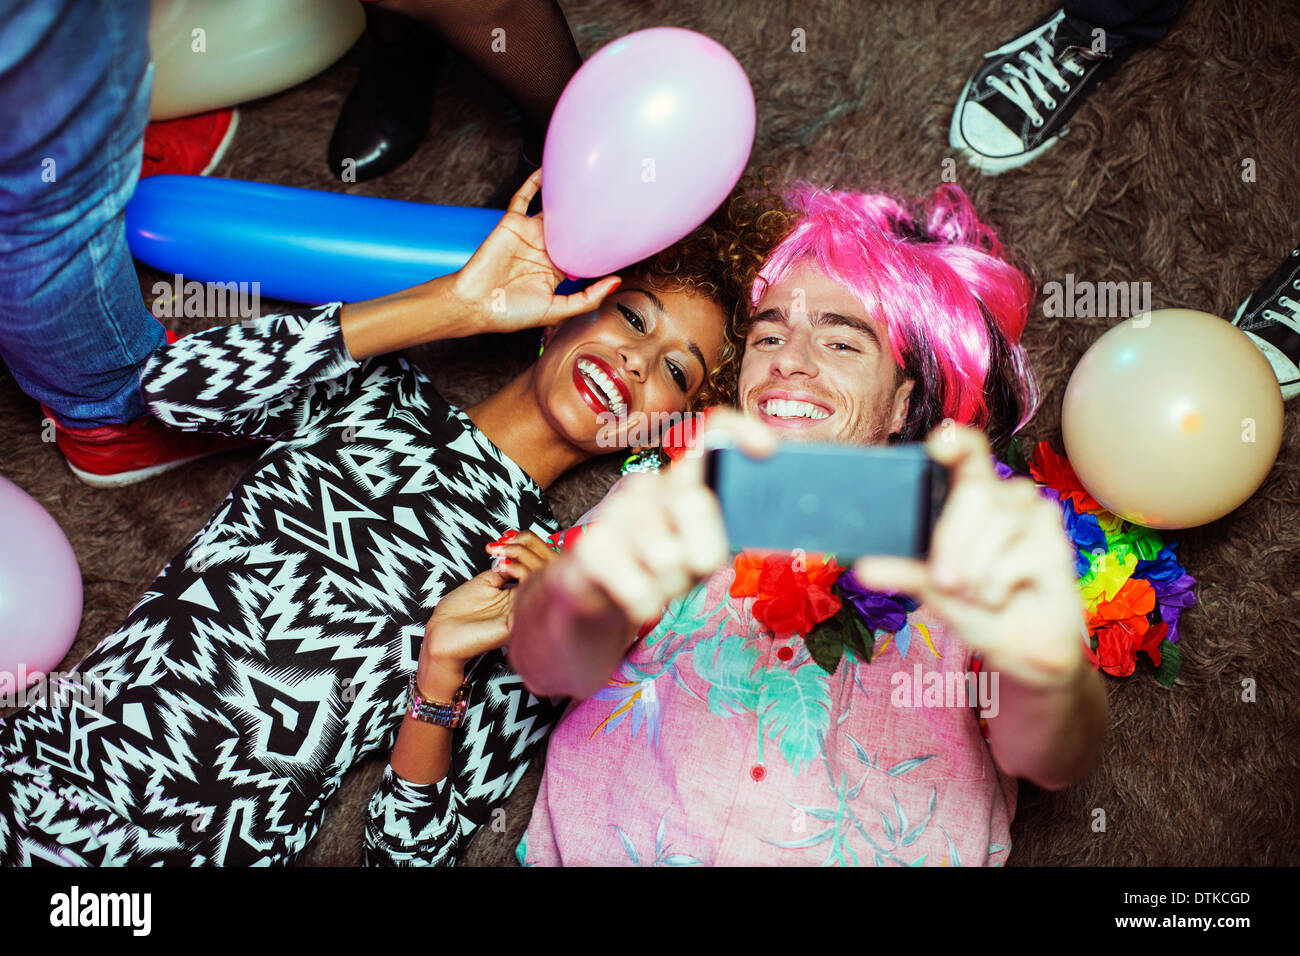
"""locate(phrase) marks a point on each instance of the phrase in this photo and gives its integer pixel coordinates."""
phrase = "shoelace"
(1282, 301)
(1291, 305)
(1036, 67)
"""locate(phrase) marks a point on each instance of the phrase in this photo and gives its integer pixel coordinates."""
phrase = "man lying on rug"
(869, 326)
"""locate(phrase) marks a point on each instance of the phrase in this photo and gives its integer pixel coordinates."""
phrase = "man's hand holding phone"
(1000, 568)
(654, 538)
(657, 536)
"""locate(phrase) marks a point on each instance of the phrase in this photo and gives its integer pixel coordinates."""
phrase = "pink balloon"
(40, 589)
(647, 140)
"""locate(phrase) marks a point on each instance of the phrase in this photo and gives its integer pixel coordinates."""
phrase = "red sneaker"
(191, 145)
(108, 456)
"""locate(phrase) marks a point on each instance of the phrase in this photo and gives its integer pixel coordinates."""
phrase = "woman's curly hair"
(719, 261)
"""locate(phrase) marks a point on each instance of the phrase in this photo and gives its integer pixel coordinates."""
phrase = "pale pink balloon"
(1172, 419)
(645, 143)
(40, 589)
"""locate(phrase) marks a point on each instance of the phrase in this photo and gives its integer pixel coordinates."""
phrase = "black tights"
(1127, 21)
(523, 46)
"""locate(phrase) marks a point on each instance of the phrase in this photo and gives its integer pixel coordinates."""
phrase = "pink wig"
(954, 307)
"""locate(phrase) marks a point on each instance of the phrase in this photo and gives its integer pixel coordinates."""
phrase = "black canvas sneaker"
(1017, 103)
(1271, 317)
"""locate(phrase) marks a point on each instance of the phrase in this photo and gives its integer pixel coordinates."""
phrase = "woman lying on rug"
(277, 650)
(794, 712)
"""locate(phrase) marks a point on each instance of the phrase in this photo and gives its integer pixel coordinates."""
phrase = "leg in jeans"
(75, 80)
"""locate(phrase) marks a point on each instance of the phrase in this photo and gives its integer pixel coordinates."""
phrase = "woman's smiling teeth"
(603, 385)
(784, 408)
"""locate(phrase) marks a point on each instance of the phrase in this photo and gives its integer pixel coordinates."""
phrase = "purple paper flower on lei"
(1004, 471)
(881, 610)
(1172, 584)
(1173, 596)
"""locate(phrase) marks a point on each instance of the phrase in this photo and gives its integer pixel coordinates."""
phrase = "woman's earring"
(542, 348)
(650, 458)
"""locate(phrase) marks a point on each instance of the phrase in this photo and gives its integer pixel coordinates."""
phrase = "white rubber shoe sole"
(991, 165)
(220, 153)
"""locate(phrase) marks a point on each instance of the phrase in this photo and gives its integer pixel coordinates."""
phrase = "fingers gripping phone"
(846, 500)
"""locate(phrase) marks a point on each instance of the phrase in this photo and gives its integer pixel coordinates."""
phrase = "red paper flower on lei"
(1135, 599)
(1118, 645)
(1049, 468)
(789, 601)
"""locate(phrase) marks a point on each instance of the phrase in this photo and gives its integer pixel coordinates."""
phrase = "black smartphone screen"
(846, 500)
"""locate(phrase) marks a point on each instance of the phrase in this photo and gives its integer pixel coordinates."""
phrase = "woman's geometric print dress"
(273, 653)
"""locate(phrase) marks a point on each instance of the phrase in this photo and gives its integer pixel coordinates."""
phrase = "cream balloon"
(209, 54)
(1172, 418)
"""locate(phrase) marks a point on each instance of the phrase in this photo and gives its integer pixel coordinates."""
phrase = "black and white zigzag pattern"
(272, 653)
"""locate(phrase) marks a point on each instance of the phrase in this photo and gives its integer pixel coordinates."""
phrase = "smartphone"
(845, 500)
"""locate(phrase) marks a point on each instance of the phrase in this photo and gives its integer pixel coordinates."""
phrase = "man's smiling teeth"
(604, 385)
(782, 408)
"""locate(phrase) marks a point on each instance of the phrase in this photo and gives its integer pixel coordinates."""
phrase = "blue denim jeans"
(75, 80)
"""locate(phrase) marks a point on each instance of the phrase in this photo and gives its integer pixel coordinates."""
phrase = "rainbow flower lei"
(1130, 579)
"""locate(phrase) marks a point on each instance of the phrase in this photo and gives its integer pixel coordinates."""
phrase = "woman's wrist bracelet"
(450, 714)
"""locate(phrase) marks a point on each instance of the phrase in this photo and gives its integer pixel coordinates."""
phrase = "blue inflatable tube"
(299, 244)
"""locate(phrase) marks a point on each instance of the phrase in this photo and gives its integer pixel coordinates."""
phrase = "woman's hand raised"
(510, 281)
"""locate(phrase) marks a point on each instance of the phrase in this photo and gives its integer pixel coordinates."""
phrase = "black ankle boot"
(385, 117)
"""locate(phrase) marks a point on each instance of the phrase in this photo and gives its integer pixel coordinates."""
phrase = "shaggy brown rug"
(1146, 188)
